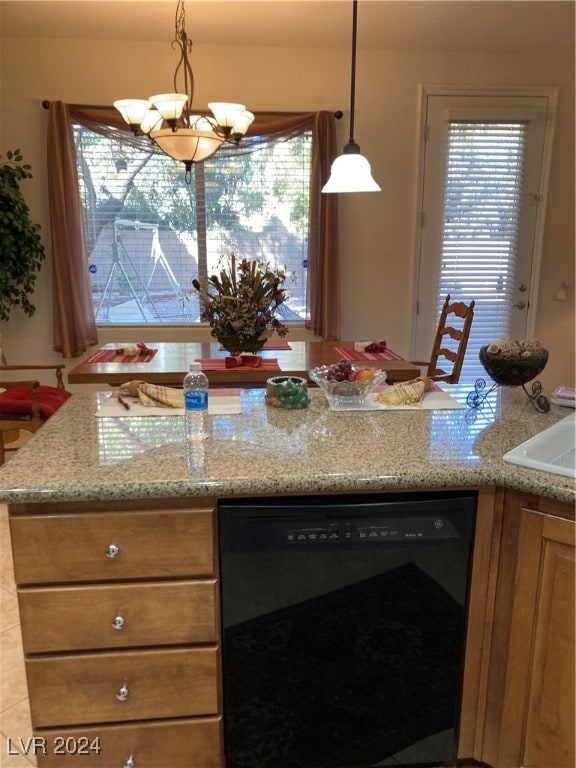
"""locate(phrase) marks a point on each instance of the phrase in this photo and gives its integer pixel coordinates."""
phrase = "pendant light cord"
(353, 73)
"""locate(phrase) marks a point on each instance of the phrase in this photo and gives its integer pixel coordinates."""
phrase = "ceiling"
(451, 25)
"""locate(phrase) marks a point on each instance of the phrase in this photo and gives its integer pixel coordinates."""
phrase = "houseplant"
(240, 304)
(21, 249)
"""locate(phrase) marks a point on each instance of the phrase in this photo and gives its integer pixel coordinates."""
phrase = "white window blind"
(482, 202)
(148, 233)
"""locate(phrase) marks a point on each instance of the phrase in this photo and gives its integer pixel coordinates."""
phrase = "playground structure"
(131, 279)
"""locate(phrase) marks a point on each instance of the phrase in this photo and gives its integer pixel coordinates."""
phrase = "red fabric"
(222, 364)
(17, 401)
(249, 361)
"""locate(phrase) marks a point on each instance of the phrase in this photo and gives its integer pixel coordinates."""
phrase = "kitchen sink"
(553, 450)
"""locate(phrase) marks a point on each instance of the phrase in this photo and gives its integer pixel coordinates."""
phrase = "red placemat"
(117, 356)
(219, 364)
(349, 353)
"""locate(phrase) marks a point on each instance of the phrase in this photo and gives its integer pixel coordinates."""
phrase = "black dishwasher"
(343, 628)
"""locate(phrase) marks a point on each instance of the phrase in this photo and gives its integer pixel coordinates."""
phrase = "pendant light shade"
(351, 171)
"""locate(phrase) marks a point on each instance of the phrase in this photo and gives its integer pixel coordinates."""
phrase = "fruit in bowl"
(364, 374)
(346, 384)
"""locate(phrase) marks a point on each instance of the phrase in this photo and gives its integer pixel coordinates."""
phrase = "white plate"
(437, 400)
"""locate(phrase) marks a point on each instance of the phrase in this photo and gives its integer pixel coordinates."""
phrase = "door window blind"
(482, 207)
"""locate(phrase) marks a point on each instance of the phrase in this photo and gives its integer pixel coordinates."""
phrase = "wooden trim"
(480, 620)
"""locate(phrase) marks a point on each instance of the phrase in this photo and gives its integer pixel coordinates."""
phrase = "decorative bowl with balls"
(346, 384)
(514, 369)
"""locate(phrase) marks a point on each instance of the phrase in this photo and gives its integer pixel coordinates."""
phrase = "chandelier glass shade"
(167, 118)
(351, 171)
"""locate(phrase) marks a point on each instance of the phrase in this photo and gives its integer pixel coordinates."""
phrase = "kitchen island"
(263, 450)
(113, 531)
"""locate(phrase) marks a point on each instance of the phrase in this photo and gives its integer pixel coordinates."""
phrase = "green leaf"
(21, 248)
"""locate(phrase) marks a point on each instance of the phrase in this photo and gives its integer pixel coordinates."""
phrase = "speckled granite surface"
(270, 451)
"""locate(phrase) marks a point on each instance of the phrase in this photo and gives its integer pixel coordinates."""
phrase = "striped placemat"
(219, 364)
(348, 353)
(117, 356)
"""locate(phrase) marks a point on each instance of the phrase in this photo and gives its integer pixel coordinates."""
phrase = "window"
(481, 205)
(148, 234)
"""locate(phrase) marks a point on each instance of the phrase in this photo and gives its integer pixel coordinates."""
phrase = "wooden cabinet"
(120, 686)
(111, 546)
(529, 706)
(120, 621)
(159, 744)
(119, 615)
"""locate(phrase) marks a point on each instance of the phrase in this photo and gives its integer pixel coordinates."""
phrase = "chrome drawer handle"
(122, 693)
(129, 762)
(118, 622)
(112, 550)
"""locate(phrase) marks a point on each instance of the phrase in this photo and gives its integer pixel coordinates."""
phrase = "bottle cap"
(195, 366)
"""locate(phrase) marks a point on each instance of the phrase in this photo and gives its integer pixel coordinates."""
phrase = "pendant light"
(168, 120)
(351, 171)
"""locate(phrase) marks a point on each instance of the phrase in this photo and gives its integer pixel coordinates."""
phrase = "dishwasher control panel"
(270, 532)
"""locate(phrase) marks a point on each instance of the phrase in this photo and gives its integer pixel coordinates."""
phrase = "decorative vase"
(289, 392)
(236, 344)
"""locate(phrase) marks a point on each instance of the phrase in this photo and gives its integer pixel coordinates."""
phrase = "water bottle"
(195, 403)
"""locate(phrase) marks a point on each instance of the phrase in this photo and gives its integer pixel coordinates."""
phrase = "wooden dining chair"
(27, 404)
(454, 323)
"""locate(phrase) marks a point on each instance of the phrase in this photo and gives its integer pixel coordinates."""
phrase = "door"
(481, 214)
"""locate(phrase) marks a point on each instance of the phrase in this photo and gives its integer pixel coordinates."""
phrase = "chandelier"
(351, 171)
(168, 120)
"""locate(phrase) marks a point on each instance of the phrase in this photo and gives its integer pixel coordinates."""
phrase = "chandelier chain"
(168, 118)
(184, 44)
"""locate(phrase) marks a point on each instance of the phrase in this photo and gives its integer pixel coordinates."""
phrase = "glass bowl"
(346, 393)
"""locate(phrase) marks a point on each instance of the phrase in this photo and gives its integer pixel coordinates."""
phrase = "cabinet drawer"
(87, 688)
(118, 616)
(112, 546)
(173, 744)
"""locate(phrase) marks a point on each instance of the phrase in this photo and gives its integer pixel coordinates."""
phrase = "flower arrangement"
(241, 303)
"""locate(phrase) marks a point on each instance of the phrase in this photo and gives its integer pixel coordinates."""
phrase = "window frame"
(74, 326)
(130, 265)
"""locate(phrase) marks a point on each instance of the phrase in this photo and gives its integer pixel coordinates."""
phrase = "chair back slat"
(449, 311)
(448, 354)
(454, 333)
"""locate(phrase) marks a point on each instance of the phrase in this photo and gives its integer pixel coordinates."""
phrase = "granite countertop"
(265, 450)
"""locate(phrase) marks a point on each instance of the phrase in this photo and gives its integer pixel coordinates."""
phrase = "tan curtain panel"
(74, 327)
(323, 292)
